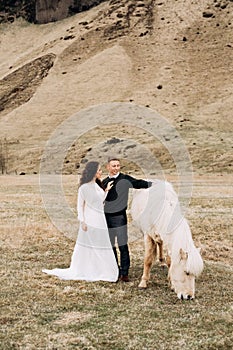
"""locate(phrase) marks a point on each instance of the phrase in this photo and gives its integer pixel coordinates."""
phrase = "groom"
(115, 211)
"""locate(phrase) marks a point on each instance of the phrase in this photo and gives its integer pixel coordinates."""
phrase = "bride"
(93, 258)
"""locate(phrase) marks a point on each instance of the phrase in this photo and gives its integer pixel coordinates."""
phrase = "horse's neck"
(180, 238)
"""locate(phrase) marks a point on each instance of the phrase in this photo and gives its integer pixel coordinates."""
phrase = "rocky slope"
(173, 57)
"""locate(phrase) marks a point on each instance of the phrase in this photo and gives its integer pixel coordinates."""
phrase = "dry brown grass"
(42, 312)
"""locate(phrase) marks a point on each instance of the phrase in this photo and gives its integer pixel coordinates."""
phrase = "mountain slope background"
(174, 57)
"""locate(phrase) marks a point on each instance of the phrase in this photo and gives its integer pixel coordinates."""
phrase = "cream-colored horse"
(157, 213)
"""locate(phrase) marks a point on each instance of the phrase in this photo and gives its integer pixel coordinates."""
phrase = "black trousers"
(117, 227)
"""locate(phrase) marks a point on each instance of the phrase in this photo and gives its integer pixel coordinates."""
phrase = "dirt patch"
(72, 317)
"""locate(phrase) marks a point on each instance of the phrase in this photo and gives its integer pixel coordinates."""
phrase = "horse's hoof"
(185, 296)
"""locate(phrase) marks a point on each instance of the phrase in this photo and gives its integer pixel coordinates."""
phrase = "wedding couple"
(101, 210)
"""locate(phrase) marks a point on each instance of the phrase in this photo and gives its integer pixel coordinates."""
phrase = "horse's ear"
(183, 254)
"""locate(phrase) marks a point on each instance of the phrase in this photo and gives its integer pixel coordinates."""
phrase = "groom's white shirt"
(114, 176)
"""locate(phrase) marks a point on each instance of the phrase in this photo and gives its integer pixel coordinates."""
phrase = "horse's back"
(155, 207)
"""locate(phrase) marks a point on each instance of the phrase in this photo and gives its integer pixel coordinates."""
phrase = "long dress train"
(93, 258)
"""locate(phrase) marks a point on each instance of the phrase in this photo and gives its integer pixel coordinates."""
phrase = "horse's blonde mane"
(183, 240)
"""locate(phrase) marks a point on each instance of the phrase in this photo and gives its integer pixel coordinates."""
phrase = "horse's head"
(182, 273)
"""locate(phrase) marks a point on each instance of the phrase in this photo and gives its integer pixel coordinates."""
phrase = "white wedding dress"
(93, 258)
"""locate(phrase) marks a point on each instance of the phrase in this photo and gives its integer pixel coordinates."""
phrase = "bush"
(19, 8)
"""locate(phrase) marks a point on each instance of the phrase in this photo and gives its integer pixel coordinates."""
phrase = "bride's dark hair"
(89, 173)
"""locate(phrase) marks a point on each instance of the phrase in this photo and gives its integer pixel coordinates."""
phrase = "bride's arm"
(81, 209)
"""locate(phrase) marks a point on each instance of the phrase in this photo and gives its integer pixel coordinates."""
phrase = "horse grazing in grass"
(157, 213)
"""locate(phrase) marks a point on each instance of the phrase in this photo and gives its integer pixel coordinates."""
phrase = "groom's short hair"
(113, 158)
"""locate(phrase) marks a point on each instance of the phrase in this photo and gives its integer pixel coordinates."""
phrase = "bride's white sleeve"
(103, 194)
(80, 205)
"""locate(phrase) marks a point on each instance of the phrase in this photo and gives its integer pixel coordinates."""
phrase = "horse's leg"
(168, 261)
(161, 254)
(150, 253)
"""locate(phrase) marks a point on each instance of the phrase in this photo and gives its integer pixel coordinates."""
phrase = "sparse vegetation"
(17, 8)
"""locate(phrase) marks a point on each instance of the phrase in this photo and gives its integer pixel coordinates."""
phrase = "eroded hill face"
(174, 57)
(43, 11)
(19, 86)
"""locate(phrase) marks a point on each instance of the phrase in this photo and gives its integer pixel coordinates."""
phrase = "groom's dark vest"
(117, 198)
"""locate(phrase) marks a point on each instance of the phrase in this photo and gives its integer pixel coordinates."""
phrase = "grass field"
(42, 312)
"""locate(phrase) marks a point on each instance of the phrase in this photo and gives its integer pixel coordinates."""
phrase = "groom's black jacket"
(117, 198)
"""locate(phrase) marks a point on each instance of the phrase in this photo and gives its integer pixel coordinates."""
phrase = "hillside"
(172, 57)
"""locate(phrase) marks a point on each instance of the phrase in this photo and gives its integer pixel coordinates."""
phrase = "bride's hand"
(109, 186)
(84, 226)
